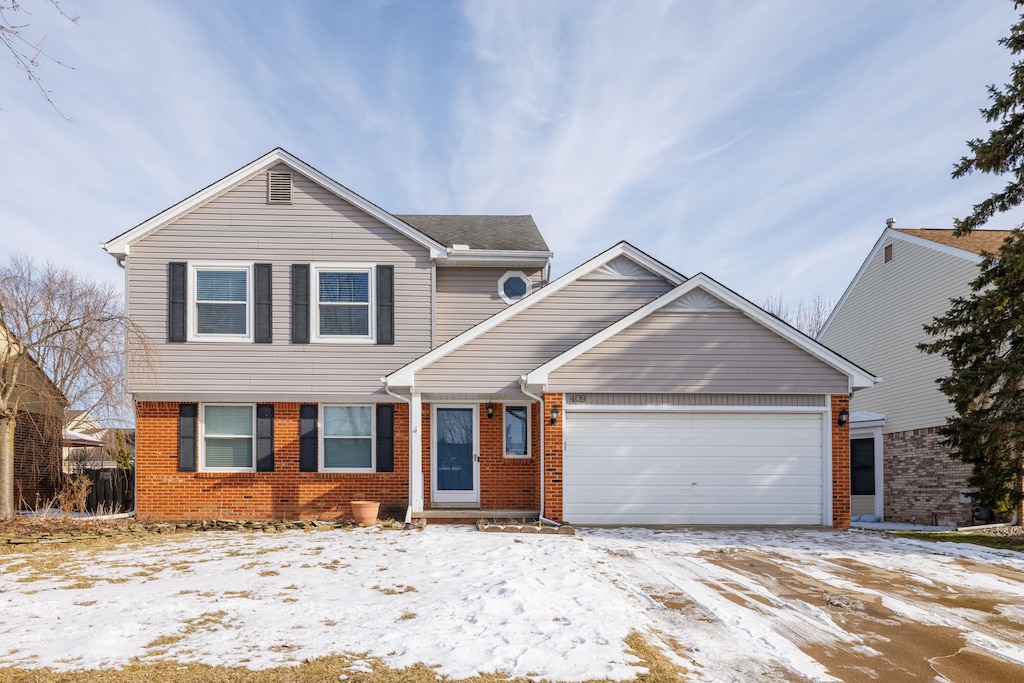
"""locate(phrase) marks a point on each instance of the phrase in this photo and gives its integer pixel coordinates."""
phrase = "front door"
(456, 461)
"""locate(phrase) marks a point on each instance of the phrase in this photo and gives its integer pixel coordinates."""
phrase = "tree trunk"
(6, 468)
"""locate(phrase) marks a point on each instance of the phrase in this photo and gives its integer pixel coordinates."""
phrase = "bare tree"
(808, 317)
(29, 53)
(75, 330)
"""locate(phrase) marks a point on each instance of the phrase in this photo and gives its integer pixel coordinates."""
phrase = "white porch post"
(415, 453)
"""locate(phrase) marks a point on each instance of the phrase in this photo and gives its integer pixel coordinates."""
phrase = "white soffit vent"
(695, 301)
(621, 268)
(279, 187)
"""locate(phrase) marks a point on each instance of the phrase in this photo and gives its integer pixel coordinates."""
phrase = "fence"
(112, 490)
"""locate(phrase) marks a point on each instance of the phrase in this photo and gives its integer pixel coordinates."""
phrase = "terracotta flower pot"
(364, 512)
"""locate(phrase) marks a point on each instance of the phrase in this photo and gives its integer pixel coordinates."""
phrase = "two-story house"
(900, 469)
(315, 349)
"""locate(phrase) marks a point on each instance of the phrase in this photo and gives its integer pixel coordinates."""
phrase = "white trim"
(692, 409)
(467, 257)
(826, 465)
(858, 377)
(508, 276)
(455, 496)
(879, 244)
(406, 375)
(321, 435)
(529, 430)
(119, 246)
(314, 285)
(202, 439)
(193, 334)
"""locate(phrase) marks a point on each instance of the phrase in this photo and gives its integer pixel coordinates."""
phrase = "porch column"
(415, 453)
(552, 473)
(840, 462)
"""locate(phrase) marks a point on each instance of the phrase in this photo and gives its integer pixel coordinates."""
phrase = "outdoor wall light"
(490, 411)
(844, 417)
(554, 415)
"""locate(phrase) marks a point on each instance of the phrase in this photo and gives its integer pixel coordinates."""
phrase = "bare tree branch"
(28, 54)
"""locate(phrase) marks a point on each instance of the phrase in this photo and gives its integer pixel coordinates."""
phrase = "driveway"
(723, 605)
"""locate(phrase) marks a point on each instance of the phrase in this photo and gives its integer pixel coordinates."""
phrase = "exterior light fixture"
(490, 411)
(844, 417)
(554, 415)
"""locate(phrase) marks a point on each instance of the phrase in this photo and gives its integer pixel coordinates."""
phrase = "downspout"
(540, 516)
(387, 390)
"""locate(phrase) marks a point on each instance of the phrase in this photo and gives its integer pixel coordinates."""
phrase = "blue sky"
(764, 143)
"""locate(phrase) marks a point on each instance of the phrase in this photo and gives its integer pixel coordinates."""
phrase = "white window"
(343, 310)
(517, 431)
(346, 444)
(228, 437)
(220, 295)
(513, 286)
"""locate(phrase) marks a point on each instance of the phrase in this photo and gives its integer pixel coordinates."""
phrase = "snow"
(555, 607)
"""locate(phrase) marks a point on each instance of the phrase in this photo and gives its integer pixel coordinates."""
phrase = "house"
(901, 471)
(84, 441)
(37, 406)
(315, 349)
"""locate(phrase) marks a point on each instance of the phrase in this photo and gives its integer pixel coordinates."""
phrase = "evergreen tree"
(982, 334)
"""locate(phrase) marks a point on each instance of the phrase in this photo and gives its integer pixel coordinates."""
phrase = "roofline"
(119, 246)
(406, 375)
(456, 256)
(895, 233)
(858, 377)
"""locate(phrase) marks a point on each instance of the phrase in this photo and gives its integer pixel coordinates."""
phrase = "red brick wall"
(37, 464)
(286, 493)
(840, 465)
(552, 457)
(920, 479)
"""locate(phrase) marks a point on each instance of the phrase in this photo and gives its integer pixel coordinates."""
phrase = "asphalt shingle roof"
(977, 242)
(501, 233)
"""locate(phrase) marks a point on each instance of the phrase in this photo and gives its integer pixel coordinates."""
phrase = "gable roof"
(969, 247)
(976, 242)
(119, 246)
(492, 233)
(859, 377)
(405, 376)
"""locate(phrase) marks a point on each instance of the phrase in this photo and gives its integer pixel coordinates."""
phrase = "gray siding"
(240, 226)
(879, 327)
(698, 352)
(757, 400)
(493, 362)
(465, 296)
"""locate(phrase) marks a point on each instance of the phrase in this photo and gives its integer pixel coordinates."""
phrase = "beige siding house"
(315, 349)
(904, 472)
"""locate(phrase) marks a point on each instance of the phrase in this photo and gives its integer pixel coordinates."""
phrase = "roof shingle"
(978, 241)
(500, 233)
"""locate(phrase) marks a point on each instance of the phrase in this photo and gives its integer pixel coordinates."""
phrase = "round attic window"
(513, 286)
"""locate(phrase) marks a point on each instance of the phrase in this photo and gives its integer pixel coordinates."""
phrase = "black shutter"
(177, 301)
(263, 290)
(300, 303)
(187, 436)
(307, 437)
(264, 437)
(385, 304)
(385, 437)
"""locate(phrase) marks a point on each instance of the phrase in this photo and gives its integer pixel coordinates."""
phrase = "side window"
(344, 306)
(517, 431)
(513, 286)
(228, 433)
(347, 439)
(220, 298)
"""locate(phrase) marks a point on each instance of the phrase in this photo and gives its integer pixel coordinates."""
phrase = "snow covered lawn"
(724, 605)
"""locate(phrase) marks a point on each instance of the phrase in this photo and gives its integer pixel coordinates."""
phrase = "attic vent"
(888, 252)
(279, 187)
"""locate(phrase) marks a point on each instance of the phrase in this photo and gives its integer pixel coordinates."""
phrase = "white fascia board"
(896, 235)
(406, 375)
(461, 256)
(859, 378)
(119, 246)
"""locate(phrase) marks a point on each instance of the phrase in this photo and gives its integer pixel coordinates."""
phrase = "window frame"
(322, 437)
(529, 433)
(193, 301)
(202, 439)
(508, 276)
(314, 300)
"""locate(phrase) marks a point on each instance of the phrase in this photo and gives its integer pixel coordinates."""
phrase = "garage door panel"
(693, 468)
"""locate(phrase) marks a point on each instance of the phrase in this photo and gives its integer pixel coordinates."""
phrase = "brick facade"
(553, 457)
(922, 483)
(37, 459)
(840, 464)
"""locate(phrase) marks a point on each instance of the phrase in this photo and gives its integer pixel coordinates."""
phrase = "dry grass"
(659, 670)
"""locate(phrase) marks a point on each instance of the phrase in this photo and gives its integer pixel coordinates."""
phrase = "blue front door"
(456, 473)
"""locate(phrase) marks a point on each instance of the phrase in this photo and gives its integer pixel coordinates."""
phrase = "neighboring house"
(315, 349)
(39, 408)
(81, 454)
(900, 469)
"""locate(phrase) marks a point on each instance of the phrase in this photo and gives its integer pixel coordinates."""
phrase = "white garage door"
(692, 468)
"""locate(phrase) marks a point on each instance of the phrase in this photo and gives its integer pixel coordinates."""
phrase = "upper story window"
(220, 302)
(343, 310)
(347, 434)
(513, 286)
(227, 436)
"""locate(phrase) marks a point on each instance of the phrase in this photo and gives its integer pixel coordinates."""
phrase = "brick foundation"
(920, 480)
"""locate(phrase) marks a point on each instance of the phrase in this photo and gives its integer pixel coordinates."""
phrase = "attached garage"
(694, 467)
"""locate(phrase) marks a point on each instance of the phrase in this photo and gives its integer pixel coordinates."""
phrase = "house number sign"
(577, 398)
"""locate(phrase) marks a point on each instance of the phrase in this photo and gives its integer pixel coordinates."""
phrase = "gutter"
(541, 517)
(387, 390)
